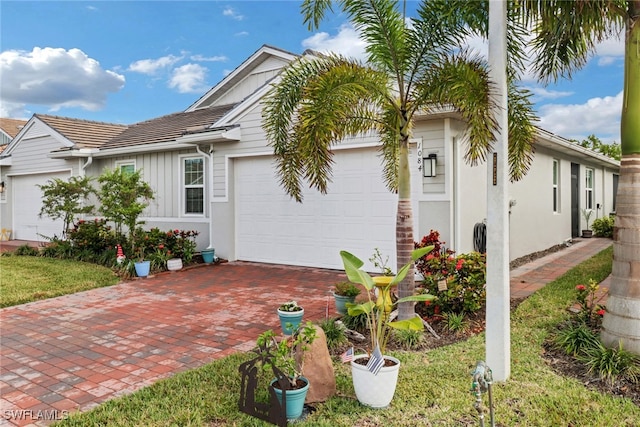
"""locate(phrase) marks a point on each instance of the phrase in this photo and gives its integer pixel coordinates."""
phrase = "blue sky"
(129, 61)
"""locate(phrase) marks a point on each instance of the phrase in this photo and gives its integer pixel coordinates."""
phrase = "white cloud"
(613, 46)
(152, 66)
(231, 12)
(56, 78)
(201, 58)
(241, 34)
(189, 78)
(540, 93)
(347, 42)
(599, 116)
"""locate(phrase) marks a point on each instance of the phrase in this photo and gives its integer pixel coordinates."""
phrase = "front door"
(575, 200)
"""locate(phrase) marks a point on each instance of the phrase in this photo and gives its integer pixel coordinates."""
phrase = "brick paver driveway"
(76, 351)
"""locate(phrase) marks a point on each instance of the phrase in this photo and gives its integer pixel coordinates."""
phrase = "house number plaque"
(495, 168)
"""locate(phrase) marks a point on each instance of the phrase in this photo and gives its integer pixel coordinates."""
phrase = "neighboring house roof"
(83, 133)
(167, 128)
(11, 127)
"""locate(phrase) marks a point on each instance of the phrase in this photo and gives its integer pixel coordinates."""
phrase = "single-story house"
(212, 171)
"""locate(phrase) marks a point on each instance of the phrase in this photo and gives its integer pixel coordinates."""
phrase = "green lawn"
(28, 278)
(433, 388)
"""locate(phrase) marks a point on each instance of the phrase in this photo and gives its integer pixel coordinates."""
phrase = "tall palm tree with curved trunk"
(411, 69)
(561, 36)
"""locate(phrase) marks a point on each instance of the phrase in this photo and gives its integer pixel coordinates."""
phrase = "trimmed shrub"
(603, 227)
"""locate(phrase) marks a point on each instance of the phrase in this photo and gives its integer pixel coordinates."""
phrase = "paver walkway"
(74, 352)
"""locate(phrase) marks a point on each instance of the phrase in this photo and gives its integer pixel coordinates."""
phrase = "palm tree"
(564, 35)
(411, 69)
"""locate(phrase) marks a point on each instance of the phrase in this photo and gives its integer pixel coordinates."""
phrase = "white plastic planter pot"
(371, 390)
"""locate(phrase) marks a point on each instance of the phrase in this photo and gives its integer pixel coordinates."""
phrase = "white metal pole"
(498, 334)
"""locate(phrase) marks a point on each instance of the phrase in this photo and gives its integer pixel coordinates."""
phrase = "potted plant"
(343, 293)
(290, 314)
(284, 356)
(375, 374)
(141, 265)
(208, 255)
(586, 214)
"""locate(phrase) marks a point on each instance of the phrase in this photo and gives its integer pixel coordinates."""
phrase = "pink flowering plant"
(587, 296)
(458, 281)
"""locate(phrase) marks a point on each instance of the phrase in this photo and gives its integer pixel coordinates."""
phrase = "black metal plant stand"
(273, 412)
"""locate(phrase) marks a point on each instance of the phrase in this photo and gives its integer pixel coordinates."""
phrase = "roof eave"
(212, 136)
(557, 143)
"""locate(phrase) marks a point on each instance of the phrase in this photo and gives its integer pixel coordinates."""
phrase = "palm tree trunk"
(404, 230)
(622, 320)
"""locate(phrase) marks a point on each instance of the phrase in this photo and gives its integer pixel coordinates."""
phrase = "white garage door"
(27, 202)
(358, 214)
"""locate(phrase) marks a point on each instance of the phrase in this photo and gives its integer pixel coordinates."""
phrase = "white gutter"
(220, 135)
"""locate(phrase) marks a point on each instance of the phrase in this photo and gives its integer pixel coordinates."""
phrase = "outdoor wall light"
(2, 187)
(429, 165)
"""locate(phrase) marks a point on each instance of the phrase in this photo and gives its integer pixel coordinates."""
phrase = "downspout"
(82, 171)
(86, 165)
(209, 156)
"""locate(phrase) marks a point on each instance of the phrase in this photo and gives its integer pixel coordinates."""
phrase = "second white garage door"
(358, 214)
(27, 202)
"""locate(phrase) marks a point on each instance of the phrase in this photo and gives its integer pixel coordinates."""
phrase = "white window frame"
(589, 179)
(556, 185)
(184, 186)
(124, 163)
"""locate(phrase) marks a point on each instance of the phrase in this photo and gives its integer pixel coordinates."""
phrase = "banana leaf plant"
(378, 313)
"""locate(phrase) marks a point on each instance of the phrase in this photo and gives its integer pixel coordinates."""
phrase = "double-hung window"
(556, 179)
(588, 185)
(193, 182)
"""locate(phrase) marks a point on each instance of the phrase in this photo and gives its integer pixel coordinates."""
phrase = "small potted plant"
(586, 214)
(290, 314)
(375, 374)
(286, 356)
(343, 293)
(142, 265)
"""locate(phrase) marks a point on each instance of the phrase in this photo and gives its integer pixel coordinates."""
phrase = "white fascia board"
(559, 142)
(5, 161)
(246, 64)
(244, 106)
(142, 148)
(16, 141)
(221, 135)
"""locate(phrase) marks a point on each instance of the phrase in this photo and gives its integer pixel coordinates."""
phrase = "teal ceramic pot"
(295, 399)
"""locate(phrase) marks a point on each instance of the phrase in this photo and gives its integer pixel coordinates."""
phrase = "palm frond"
(313, 12)
(462, 82)
(317, 103)
(566, 32)
(522, 132)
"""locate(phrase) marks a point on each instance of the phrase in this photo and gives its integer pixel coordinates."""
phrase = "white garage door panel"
(357, 214)
(27, 202)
